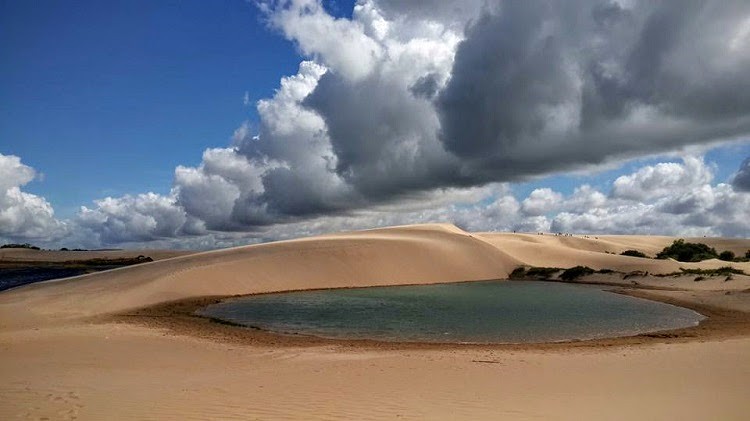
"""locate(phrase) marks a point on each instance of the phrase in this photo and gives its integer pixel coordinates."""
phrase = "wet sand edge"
(179, 318)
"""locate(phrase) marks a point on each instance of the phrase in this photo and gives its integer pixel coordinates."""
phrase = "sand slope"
(414, 254)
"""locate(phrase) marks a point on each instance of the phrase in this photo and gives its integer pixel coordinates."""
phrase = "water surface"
(470, 312)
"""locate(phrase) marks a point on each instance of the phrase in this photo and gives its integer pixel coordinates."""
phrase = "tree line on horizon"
(33, 247)
(684, 251)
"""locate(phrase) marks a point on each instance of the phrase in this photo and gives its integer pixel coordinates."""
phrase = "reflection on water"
(493, 311)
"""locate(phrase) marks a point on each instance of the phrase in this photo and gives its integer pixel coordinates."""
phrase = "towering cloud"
(405, 99)
(24, 216)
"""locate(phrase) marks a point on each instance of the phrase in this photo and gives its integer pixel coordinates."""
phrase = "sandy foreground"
(67, 351)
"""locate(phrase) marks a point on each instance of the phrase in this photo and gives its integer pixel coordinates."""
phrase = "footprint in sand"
(70, 402)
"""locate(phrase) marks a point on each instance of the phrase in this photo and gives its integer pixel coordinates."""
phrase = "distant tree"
(747, 254)
(633, 253)
(687, 252)
(64, 249)
(19, 246)
(726, 255)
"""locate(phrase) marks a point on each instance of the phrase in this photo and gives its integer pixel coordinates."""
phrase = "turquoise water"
(471, 312)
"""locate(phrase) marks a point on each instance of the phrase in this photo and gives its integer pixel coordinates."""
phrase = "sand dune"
(603, 252)
(57, 364)
(424, 254)
(399, 255)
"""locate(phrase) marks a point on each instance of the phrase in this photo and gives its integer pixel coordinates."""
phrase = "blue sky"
(108, 98)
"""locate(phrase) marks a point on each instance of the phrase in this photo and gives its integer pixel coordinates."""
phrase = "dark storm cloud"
(544, 86)
(741, 181)
(383, 137)
(425, 87)
(504, 72)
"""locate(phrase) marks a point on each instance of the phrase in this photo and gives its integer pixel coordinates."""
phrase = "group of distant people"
(557, 234)
(564, 234)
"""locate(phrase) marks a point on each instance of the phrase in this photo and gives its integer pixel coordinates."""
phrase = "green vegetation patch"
(522, 272)
(542, 272)
(633, 253)
(723, 271)
(683, 251)
(576, 272)
(519, 272)
(569, 274)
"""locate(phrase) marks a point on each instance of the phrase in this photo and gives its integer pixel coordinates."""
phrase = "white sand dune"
(414, 254)
(55, 363)
(400, 255)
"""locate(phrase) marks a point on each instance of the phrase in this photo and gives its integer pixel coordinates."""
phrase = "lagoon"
(467, 312)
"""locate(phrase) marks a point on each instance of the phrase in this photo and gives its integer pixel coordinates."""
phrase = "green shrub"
(747, 254)
(726, 255)
(576, 272)
(633, 253)
(518, 272)
(687, 252)
(541, 272)
(725, 270)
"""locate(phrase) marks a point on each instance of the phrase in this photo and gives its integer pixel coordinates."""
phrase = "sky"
(205, 124)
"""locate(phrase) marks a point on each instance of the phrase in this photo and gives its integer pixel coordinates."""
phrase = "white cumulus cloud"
(24, 216)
